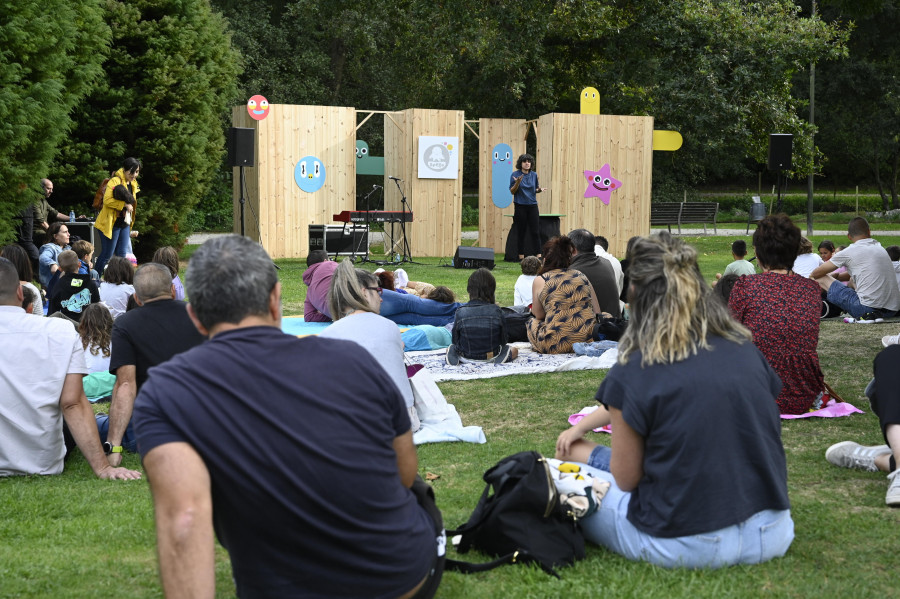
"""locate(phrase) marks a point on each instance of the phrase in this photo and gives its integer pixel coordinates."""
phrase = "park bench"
(681, 213)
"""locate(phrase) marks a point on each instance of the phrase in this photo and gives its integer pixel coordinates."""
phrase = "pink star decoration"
(601, 184)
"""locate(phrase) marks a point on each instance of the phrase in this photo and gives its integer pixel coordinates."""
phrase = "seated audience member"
(683, 416)
(20, 259)
(479, 330)
(826, 250)
(894, 253)
(317, 277)
(141, 339)
(168, 257)
(740, 265)
(623, 296)
(884, 397)
(806, 261)
(564, 302)
(437, 309)
(28, 299)
(58, 233)
(95, 329)
(328, 510)
(597, 270)
(355, 300)
(724, 286)
(782, 310)
(73, 292)
(31, 415)
(85, 252)
(399, 281)
(874, 293)
(602, 250)
(116, 287)
(522, 290)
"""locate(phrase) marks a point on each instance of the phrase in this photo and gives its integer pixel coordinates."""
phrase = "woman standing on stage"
(524, 186)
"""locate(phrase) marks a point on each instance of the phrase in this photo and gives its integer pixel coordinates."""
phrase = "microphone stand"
(407, 254)
(368, 227)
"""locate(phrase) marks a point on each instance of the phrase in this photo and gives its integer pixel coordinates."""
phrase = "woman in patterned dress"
(782, 310)
(564, 303)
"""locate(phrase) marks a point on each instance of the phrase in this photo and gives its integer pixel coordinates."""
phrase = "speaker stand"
(242, 200)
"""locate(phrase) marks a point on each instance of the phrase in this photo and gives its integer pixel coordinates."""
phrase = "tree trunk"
(895, 203)
(884, 199)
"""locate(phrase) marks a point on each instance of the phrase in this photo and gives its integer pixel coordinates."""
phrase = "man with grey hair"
(142, 338)
(598, 271)
(47, 350)
(307, 478)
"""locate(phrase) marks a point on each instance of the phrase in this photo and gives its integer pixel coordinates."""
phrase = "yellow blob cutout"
(590, 101)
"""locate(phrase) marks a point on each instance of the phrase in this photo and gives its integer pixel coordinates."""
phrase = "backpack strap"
(517, 557)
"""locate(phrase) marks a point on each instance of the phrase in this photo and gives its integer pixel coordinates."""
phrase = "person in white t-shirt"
(601, 249)
(41, 365)
(874, 292)
(522, 291)
(806, 261)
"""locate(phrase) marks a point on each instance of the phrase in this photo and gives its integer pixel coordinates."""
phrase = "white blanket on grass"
(528, 362)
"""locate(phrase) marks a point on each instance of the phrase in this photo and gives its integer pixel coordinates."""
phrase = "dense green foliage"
(50, 55)
(169, 78)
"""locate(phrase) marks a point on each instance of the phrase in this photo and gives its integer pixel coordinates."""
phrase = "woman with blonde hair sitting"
(354, 301)
(697, 474)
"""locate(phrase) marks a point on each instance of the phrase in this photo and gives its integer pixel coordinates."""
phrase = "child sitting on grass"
(522, 292)
(740, 266)
(479, 331)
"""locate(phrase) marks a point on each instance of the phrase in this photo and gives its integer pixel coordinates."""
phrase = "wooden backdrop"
(284, 211)
(436, 203)
(569, 144)
(493, 227)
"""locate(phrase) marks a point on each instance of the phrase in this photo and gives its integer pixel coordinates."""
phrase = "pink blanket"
(833, 409)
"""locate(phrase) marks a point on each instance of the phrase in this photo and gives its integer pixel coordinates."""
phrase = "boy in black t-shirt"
(73, 291)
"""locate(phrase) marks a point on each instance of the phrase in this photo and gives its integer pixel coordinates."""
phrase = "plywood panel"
(436, 203)
(580, 142)
(493, 227)
(278, 211)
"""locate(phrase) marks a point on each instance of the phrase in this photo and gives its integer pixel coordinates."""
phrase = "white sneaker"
(849, 454)
(893, 493)
(890, 340)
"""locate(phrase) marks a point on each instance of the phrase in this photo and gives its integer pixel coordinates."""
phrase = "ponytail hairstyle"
(557, 254)
(673, 310)
(347, 293)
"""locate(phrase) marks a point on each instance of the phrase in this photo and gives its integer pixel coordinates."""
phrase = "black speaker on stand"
(781, 147)
(241, 146)
(473, 257)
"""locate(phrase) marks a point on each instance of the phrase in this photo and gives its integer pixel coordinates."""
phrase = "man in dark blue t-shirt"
(303, 476)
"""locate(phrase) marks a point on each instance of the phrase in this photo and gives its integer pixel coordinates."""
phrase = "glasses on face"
(377, 290)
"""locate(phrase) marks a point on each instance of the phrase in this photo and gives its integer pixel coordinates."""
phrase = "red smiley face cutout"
(258, 107)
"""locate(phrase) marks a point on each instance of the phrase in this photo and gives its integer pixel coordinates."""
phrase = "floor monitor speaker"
(473, 257)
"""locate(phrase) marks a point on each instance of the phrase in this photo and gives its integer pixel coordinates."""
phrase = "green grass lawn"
(74, 536)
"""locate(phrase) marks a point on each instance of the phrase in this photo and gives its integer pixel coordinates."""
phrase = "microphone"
(377, 187)
(395, 178)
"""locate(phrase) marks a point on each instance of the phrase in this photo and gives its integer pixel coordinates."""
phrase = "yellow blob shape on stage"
(590, 101)
(666, 141)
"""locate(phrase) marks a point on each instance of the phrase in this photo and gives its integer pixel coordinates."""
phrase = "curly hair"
(557, 254)
(777, 240)
(525, 158)
(95, 328)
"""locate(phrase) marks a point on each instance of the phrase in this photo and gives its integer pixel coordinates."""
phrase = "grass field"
(74, 536)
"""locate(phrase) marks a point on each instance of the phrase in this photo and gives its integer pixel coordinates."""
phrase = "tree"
(50, 56)
(169, 80)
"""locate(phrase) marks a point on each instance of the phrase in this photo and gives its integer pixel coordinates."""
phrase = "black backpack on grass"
(522, 521)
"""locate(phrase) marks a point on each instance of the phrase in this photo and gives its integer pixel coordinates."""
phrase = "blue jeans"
(118, 244)
(845, 297)
(129, 441)
(761, 537)
(404, 308)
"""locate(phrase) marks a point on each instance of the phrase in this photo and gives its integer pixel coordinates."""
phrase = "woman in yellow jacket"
(117, 214)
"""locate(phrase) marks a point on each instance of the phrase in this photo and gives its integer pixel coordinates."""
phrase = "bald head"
(47, 186)
(152, 281)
